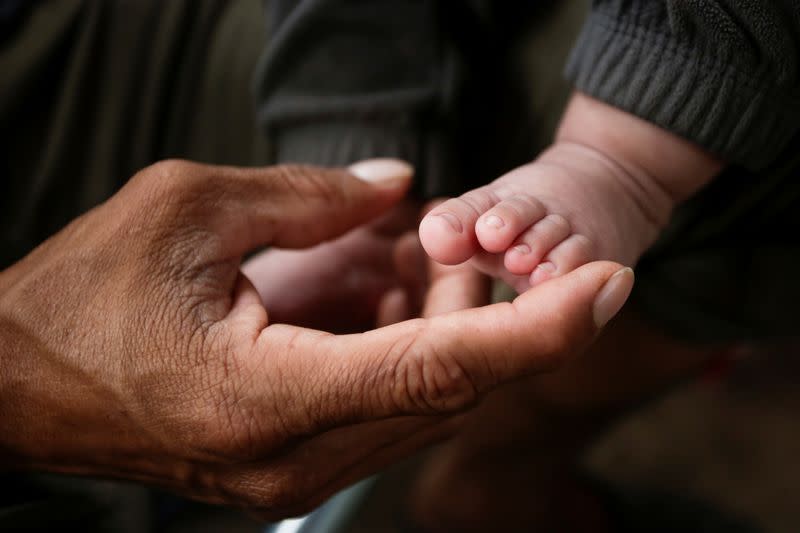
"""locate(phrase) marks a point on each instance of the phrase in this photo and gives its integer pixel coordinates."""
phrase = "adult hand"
(132, 346)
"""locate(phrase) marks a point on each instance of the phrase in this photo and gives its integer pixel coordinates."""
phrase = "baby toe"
(573, 252)
(530, 247)
(499, 226)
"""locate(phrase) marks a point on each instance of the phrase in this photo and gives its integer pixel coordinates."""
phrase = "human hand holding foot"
(603, 191)
(133, 347)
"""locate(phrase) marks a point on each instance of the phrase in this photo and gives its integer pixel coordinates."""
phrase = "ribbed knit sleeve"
(724, 74)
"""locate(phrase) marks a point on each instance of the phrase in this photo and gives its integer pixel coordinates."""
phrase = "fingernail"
(612, 296)
(384, 172)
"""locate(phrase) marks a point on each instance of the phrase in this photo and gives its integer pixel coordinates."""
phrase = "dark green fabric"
(387, 76)
(728, 265)
(92, 91)
(722, 73)
(423, 80)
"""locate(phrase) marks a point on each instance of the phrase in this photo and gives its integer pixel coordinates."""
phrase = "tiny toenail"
(453, 221)
(522, 249)
(494, 221)
(547, 267)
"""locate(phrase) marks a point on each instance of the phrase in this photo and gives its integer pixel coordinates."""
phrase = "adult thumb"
(445, 363)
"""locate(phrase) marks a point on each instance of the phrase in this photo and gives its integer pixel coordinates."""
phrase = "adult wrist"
(14, 387)
(44, 420)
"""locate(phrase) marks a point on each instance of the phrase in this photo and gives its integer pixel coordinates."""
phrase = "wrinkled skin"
(132, 346)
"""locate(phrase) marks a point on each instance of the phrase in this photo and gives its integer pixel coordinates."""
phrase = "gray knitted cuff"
(744, 118)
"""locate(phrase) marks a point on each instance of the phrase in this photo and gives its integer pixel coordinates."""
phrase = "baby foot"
(573, 205)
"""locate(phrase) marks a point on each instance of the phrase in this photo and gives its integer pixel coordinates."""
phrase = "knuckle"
(168, 175)
(173, 202)
(169, 168)
(166, 188)
(310, 182)
(428, 381)
(182, 182)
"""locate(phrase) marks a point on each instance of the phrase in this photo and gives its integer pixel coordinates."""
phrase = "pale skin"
(604, 189)
(132, 346)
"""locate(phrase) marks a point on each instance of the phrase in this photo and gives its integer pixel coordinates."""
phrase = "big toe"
(446, 239)
(448, 232)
